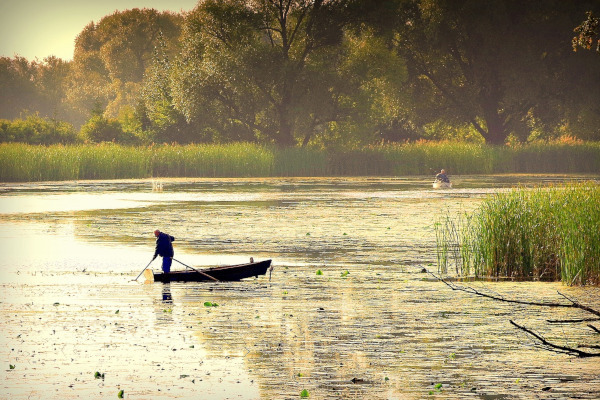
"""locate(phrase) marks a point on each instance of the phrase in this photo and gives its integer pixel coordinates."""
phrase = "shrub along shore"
(31, 163)
(545, 233)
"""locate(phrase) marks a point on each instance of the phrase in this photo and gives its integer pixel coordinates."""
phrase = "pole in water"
(144, 270)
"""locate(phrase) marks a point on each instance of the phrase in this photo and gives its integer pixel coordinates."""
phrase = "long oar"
(144, 269)
(198, 271)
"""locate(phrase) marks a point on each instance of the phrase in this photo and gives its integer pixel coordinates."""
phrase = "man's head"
(443, 171)
(156, 233)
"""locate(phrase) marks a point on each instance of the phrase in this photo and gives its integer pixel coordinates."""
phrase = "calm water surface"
(372, 326)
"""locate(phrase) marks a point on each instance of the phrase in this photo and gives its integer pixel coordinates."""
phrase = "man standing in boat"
(164, 248)
(442, 177)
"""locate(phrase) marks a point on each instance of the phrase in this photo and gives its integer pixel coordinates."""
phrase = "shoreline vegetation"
(34, 163)
(544, 233)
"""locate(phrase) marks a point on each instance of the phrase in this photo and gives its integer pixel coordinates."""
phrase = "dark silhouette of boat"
(223, 273)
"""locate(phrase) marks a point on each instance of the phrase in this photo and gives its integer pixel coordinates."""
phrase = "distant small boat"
(224, 273)
(442, 185)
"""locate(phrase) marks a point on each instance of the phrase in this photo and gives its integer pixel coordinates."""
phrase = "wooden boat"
(224, 273)
(442, 185)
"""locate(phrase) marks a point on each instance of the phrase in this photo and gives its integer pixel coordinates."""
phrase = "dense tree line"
(316, 72)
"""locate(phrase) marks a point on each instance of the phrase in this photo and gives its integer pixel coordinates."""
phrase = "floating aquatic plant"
(319, 272)
(438, 389)
(304, 394)
(210, 304)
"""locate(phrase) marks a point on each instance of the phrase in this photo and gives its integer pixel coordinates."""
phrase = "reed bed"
(299, 162)
(232, 160)
(555, 157)
(544, 233)
(429, 157)
(22, 162)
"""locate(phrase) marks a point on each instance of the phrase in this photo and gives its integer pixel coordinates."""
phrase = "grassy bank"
(21, 162)
(542, 233)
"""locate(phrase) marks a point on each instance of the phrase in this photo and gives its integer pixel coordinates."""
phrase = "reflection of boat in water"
(442, 185)
(224, 273)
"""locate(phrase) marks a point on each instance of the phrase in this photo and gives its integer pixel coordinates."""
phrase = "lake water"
(372, 326)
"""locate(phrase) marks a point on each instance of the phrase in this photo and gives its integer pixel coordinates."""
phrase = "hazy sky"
(40, 28)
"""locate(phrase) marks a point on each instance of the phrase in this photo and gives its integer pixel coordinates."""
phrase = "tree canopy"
(324, 73)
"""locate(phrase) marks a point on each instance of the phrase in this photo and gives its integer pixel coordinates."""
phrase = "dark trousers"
(166, 264)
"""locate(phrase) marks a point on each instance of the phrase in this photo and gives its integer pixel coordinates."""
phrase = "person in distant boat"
(164, 248)
(442, 177)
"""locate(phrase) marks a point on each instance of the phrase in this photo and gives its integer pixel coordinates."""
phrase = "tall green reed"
(544, 233)
(299, 162)
(232, 160)
(21, 162)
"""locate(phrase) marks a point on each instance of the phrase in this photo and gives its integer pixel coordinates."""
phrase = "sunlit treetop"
(587, 33)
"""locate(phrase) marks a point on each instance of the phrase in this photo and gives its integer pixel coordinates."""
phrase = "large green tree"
(164, 123)
(500, 65)
(17, 87)
(261, 65)
(33, 87)
(111, 57)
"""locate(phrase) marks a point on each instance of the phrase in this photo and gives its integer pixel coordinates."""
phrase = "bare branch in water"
(544, 343)
(554, 347)
(581, 306)
(468, 289)
(571, 321)
(590, 346)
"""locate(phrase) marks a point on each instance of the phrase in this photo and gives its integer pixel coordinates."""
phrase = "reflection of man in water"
(164, 248)
(166, 294)
(442, 177)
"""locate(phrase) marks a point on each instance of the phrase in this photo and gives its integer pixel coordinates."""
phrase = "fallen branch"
(554, 347)
(571, 321)
(590, 346)
(581, 306)
(573, 304)
(548, 345)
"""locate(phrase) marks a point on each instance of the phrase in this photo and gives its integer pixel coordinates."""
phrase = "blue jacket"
(442, 177)
(164, 248)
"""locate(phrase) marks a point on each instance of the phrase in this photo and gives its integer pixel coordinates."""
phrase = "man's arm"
(155, 250)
